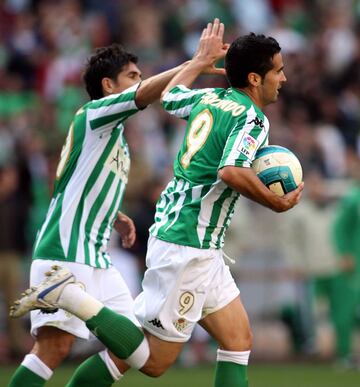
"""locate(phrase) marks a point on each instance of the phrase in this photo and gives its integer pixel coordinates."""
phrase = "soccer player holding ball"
(187, 281)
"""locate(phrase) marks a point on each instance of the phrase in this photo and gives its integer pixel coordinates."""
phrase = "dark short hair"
(247, 54)
(105, 62)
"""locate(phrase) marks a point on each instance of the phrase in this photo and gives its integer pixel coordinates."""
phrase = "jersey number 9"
(199, 130)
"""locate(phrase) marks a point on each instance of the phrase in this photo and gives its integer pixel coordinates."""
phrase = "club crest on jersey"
(180, 324)
(118, 162)
(248, 145)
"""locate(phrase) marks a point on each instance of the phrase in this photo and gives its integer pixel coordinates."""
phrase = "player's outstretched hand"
(211, 47)
(126, 229)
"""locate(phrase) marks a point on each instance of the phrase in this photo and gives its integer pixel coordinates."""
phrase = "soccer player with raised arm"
(187, 281)
(90, 182)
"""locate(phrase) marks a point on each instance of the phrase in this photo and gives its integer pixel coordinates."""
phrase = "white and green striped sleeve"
(246, 137)
(112, 110)
(180, 100)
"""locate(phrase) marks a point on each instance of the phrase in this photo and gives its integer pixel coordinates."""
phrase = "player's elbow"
(142, 100)
(222, 174)
(226, 174)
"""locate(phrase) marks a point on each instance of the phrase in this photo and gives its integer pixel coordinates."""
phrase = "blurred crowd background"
(289, 267)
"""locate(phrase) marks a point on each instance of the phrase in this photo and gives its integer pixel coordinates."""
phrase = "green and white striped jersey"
(90, 182)
(224, 128)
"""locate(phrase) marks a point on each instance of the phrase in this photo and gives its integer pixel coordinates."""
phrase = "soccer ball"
(278, 168)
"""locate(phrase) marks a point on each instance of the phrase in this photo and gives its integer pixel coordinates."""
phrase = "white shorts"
(107, 285)
(181, 286)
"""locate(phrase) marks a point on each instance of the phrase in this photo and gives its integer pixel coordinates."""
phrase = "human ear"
(254, 79)
(107, 85)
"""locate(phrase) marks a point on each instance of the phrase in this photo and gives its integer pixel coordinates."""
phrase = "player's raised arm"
(211, 48)
(151, 88)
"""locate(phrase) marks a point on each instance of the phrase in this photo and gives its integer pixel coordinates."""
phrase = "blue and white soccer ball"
(278, 168)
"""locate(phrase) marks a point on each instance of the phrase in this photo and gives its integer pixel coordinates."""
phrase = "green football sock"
(24, 377)
(229, 374)
(116, 332)
(92, 372)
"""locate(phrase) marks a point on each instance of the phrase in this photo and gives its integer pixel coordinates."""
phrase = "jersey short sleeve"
(109, 111)
(247, 136)
(180, 100)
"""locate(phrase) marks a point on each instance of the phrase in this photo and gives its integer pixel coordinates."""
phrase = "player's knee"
(239, 341)
(55, 351)
(155, 368)
(248, 340)
(53, 346)
(63, 349)
(154, 371)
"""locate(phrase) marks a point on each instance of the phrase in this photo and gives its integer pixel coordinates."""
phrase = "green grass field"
(259, 376)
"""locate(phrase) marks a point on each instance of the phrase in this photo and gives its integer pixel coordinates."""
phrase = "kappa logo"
(257, 122)
(157, 323)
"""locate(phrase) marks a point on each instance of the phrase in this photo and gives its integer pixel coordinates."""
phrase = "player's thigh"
(229, 326)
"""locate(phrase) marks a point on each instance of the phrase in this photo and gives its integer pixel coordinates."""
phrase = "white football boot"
(45, 295)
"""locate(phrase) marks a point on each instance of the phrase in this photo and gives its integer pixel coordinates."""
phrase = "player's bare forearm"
(245, 181)
(150, 89)
(211, 48)
(187, 76)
